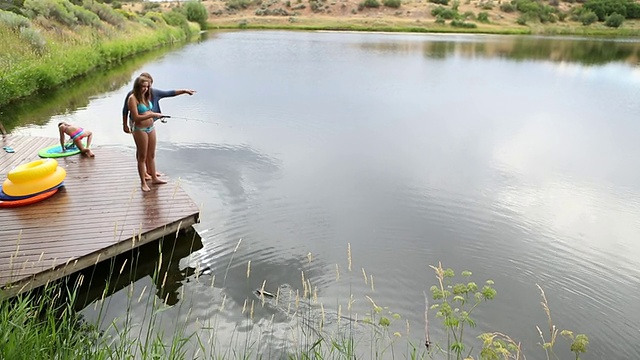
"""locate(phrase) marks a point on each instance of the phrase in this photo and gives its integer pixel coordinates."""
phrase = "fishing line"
(163, 119)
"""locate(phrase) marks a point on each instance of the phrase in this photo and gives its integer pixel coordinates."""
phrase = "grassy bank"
(45, 44)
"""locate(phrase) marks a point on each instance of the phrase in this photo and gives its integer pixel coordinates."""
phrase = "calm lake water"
(512, 157)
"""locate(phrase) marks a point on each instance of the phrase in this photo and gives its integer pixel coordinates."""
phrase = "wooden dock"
(99, 213)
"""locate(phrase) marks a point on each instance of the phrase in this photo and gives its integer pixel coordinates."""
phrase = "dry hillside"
(336, 12)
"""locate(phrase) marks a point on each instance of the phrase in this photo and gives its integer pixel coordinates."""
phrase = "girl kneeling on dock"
(76, 134)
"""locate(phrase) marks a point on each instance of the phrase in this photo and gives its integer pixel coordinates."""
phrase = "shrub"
(441, 2)
(604, 8)
(507, 7)
(105, 12)
(196, 12)
(150, 6)
(392, 3)
(86, 17)
(176, 18)
(34, 38)
(483, 17)
(60, 11)
(13, 20)
(614, 20)
(462, 24)
(588, 17)
(238, 4)
(444, 13)
(371, 3)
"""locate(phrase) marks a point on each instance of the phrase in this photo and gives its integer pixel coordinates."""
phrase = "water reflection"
(74, 95)
(556, 49)
(158, 260)
(508, 156)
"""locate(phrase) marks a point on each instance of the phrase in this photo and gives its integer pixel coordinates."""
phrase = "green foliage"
(40, 327)
(614, 20)
(196, 12)
(57, 10)
(455, 303)
(483, 17)
(13, 20)
(604, 8)
(371, 3)
(150, 6)
(176, 18)
(534, 10)
(392, 3)
(105, 12)
(507, 7)
(238, 4)
(86, 17)
(441, 2)
(588, 17)
(456, 300)
(34, 38)
(445, 13)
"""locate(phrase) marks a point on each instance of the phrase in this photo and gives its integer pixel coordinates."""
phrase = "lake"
(313, 152)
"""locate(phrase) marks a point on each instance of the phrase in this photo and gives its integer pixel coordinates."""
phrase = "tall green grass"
(56, 41)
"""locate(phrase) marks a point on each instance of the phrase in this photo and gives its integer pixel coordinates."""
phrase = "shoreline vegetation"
(46, 43)
(156, 318)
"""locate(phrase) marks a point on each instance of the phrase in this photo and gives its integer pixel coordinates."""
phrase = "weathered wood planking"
(99, 213)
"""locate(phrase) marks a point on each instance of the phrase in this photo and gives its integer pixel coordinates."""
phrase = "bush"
(483, 17)
(238, 4)
(507, 7)
(35, 39)
(105, 12)
(371, 3)
(444, 13)
(462, 24)
(441, 2)
(60, 11)
(614, 20)
(176, 18)
(86, 17)
(588, 17)
(604, 8)
(13, 20)
(196, 12)
(392, 3)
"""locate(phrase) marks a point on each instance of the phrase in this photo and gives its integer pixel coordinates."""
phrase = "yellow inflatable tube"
(37, 169)
(34, 186)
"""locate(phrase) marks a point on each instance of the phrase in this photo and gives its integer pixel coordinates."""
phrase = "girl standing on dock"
(144, 133)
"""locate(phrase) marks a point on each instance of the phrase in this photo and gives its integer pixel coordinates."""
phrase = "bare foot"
(88, 153)
(158, 181)
(147, 177)
(159, 173)
(145, 188)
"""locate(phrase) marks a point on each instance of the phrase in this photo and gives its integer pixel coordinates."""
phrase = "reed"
(168, 324)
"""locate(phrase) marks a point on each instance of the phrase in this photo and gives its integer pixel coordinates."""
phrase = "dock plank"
(99, 213)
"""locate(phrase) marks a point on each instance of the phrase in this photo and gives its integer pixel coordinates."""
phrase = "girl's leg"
(151, 159)
(142, 142)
